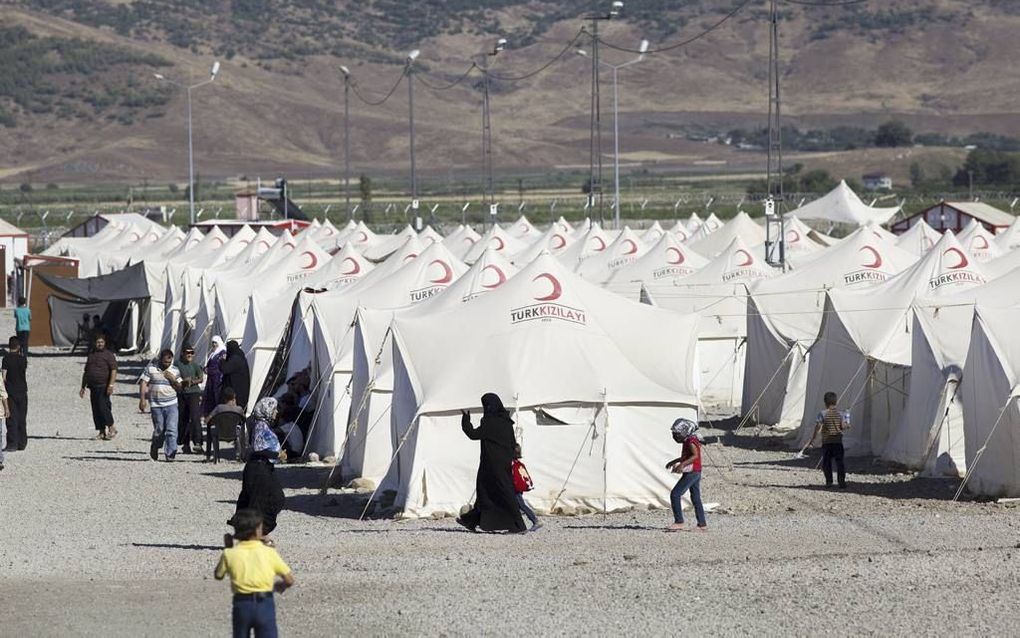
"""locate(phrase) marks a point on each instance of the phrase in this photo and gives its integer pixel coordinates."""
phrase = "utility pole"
(595, 132)
(775, 225)
(409, 70)
(347, 141)
(488, 190)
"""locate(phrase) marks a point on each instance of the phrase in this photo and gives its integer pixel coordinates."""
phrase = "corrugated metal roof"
(984, 212)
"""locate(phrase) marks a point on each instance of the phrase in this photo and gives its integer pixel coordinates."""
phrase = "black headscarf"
(492, 405)
(234, 348)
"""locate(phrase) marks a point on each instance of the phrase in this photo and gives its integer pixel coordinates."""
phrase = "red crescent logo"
(633, 246)
(499, 273)
(313, 261)
(963, 258)
(877, 263)
(363, 235)
(928, 243)
(876, 234)
(679, 255)
(469, 240)
(557, 290)
(979, 240)
(330, 232)
(355, 266)
(135, 236)
(447, 272)
(602, 244)
(219, 241)
(410, 256)
(749, 259)
(499, 240)
(682, 235)
(562, 241)
(245, 241)
(793, 237)
(263, 242)
(289, 245)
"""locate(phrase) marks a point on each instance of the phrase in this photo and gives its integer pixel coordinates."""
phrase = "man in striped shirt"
(832, 422)
(159, 385)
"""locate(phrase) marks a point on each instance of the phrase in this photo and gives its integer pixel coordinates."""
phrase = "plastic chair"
(224, 427)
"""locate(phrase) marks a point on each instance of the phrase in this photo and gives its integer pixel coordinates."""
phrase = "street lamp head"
(345, 71)
(581, 52)
(644, 47)
(412, 56)
(615, 9)
(214, 70)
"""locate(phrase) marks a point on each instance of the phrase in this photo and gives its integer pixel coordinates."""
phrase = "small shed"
(955, 216)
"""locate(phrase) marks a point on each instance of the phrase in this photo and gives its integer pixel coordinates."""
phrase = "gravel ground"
(98, 540)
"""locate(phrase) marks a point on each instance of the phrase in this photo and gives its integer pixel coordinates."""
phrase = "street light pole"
(191, 154)
(616, 121)
(347, 141)
(489, 194)
(409, 70)
(595, 140)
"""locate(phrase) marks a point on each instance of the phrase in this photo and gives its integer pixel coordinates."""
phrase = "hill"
(78, 100)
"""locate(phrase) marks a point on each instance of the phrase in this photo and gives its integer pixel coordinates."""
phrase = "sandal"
(100, 436)
(111, 432)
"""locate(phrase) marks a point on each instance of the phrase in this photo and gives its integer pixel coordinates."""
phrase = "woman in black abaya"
(495, 506)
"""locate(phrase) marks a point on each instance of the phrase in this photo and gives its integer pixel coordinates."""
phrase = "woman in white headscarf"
(213, 375)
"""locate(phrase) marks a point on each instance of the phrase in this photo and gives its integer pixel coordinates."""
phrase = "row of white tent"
(391, 378)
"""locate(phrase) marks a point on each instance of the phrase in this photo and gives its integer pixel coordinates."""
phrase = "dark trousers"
(17, 430)
(254, 614)
(189, 422)
(102, 411)
(23, 338)
(526, 509)
(833, 452)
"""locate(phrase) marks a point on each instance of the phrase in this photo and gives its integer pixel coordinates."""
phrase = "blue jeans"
(249, 614)
(164, 427)
(689, 481)
(526, 509)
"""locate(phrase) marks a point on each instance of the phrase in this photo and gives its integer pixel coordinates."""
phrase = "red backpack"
(522, 479)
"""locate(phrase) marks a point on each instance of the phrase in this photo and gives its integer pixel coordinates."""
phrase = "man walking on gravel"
(99, 378)
(160, 383)
(190, 401)
(14, 370)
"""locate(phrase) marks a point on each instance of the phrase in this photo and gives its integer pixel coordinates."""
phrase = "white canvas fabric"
(430, 235)
(523, 229)
(418, 278)
(991, 403)
(716, 241)
(253, 250)
(593, 241)
(651, 235)
(667, 260)
(461, 240)
(1002, 265)
(497, 239)
(919, 238)
(384, 245)
(1009, 238)
(679, 230)
(344, 268)
(553, 241)
(716, 292)
(784, 314)
(572, 362)
(930, 436)
(599, 268)
(863, 350)
(979, 242)
(841, 205)
(360, 236)
(369, 446)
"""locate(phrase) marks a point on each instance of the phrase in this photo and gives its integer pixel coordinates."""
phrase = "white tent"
(591, 379)
(679, 230)
(742, 226)
(554, 241)
(930, 436)
(980, 243)
(369, 446)
(497, 239)
(332, 338)
(1010, 238)
(863, 347)
(599, 267)
(385, 245)
(991, 403)
(801, 238)
(1004, 264)
(784, 315)
(595, 240)
(429, 235)
(667, 260)
(360, 236)
(344, 268)
(919, 238)
(652, 234)
(842, 206)
(461, 240)
(717, 293)
(694, 223)
(523, 229)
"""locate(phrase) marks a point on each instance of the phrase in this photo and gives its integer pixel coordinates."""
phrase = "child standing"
(689, 467)
(832, 422)
(253, 567)
(522, 484)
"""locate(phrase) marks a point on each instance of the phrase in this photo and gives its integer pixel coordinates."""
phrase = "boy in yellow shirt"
(253, 567)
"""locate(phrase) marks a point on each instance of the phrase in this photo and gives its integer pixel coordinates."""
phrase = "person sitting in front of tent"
(688, 466)
(832, 422)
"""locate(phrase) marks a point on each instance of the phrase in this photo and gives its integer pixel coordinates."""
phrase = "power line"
(691, 39)
(449, 86)
(389, 94)
(556, 58)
